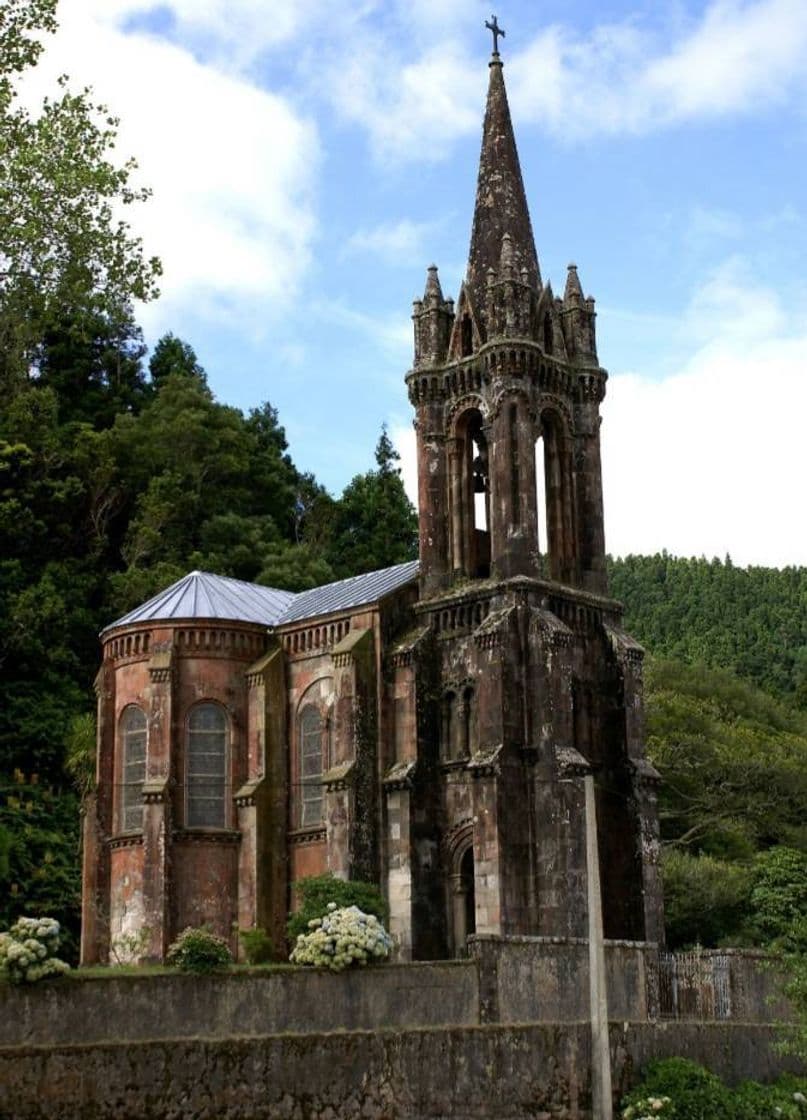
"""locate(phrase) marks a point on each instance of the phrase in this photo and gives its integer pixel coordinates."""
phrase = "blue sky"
(309, 160)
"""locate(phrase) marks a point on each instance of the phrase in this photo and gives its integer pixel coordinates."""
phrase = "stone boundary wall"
(515, 980)
(540, 1072)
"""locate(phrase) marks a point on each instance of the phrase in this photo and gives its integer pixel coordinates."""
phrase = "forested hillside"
(750, 620)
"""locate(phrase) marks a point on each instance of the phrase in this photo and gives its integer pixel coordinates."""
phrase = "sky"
(309, 160)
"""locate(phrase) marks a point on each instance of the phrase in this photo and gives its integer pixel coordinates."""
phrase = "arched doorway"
(463, 901)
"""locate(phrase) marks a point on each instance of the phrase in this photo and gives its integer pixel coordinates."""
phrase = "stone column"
(97, 827)
(156, 806)
(432, 502)
(350, 784)
(261, 802)
(590, 517)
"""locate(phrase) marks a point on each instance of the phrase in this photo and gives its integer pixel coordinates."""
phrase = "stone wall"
(502, 1035)
(539, 1072)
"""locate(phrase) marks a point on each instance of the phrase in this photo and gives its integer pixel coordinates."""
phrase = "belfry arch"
(556, 498)
(469, 491)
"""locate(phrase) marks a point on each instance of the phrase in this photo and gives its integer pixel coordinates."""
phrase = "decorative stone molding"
(569, 763)
(486, 762)
(161, 667)
(489, 635)
(224, 836)
(130, 840)
(400, 776)
(339, 777)
(404, 652)
(307, 835)
(627, 650)
(155, 791)
(550, 627)
(244, 798)
(644, 772)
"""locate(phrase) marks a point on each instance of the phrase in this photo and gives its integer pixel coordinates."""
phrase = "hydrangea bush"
(343, 937)
(647, 1108)
(27, 951)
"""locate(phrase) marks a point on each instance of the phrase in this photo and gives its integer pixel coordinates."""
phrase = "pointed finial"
(433, 293)
(506, 256)
(573, 289)
(493, 26)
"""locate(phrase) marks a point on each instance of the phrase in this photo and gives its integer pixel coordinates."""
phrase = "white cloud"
(711, 460)
(398, 243)
(233, 167)
(740, 57)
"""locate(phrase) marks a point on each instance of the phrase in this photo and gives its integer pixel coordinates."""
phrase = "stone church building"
(429, 726)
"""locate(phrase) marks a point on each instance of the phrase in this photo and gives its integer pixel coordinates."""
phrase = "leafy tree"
(733, 762)
(172, 355)
(779, 897)
(62, 250)
(375, 524)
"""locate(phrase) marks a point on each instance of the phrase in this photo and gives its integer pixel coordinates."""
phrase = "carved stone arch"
(467, 333)
(550, 402)
(465, 403)
(556, 429)
(459, 852)
(455, 842)
(506, 393)
(547, 328)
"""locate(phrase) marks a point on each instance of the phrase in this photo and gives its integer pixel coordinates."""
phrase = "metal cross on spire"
(492, 24)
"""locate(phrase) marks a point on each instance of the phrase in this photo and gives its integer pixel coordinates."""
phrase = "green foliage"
(258, 945)
(705, 899)
(28, 951)
(79, 755)
(696, 1094)
(733, 762)
(198, 950)
(375, 525)
(171, 355)
(779, 896)
(752, 621)
(42, 875)
(317, 892)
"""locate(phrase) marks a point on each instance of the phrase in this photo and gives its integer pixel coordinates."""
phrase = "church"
(427, 727)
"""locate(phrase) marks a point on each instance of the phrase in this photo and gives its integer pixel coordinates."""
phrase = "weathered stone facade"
(430, 731)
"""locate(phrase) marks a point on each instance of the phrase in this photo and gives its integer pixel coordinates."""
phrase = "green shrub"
(779, 894)
(258, 946)
(199, 950)
(695, 1093)
(786, 1100)
(27, 951)
(317, 891)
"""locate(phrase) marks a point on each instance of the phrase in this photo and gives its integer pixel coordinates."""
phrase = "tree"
(375, 525)
(172, 355)
(61, 246)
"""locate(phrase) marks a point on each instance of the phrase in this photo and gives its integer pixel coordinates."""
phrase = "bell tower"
(510, 370)
(518, 680)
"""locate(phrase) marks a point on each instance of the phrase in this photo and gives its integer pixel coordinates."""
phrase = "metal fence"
(695, 985)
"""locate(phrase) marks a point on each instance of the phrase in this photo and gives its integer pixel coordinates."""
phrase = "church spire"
(501, 204)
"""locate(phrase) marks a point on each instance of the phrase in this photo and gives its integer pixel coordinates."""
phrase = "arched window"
(549, 335)
(470, 497)
(206, 767)
(310, 768)
(133, 767)
(466, 336)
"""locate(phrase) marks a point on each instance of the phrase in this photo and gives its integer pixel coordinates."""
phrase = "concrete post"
(601, 1091)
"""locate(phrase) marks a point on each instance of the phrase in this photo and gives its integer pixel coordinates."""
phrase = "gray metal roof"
(204, 595)
(353, 592)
